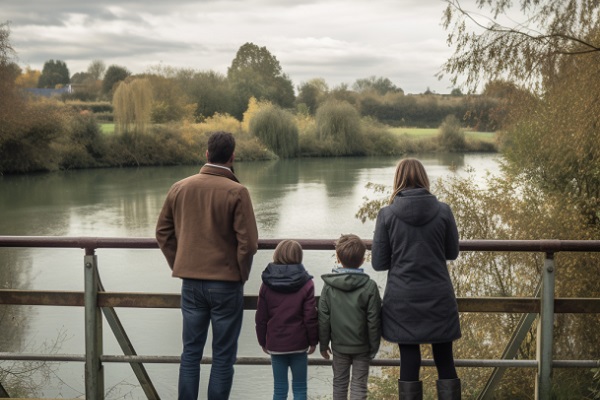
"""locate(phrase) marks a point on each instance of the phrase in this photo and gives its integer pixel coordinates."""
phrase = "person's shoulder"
(371, 285)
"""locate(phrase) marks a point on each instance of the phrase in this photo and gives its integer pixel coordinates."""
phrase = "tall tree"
(551, 177)
(96, 69)
(54, 73)
(170, 101)
(132, 105)
(255, 72)
(29, 78)
(209, 90)
(114, 74)
(379, 85)
(312, 93)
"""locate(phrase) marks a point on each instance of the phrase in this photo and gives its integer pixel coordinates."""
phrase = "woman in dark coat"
(414, 236)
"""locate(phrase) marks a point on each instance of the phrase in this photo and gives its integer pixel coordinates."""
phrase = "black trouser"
(410, 361)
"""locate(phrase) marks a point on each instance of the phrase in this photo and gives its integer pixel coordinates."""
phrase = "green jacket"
(349, 313)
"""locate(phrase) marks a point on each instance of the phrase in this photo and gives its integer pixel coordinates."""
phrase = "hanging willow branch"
(487, 48)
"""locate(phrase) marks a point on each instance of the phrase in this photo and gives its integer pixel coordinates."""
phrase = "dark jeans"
(298, 364)
(410, 361)
(203, 303)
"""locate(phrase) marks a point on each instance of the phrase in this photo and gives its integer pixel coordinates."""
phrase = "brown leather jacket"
(207, 229)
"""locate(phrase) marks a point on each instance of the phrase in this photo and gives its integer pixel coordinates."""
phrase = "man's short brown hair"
(221, 146)
(350, 250)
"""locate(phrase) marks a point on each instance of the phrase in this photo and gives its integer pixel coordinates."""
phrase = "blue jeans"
(298, 363)
(203, 303)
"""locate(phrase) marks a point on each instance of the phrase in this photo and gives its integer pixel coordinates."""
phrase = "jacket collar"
(218, 170)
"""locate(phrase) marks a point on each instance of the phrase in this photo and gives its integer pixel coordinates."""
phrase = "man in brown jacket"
(207, 232)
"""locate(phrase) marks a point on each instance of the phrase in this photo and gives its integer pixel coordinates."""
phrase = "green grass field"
(416, 133)
(423, 133)
(107, 128)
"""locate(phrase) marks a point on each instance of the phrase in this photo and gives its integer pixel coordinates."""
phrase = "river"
(301, 198)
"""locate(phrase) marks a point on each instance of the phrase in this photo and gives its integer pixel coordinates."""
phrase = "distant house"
(49, 92)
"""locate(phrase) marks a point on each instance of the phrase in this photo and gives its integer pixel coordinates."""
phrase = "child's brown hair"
(288, 252)
(350, 250)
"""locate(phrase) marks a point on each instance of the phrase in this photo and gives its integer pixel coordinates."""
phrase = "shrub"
(339, 128)
(28, 142)
(277, 130)
(378, 139)
(452, 136)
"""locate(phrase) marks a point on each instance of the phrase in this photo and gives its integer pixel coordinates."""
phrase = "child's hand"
(265, 350)
(311, 349)
(325, 353)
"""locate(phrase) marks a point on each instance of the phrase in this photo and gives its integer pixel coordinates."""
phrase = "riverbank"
(94, 145)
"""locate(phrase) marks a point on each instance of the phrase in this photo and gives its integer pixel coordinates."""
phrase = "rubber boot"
(448, 389)
(410, 390)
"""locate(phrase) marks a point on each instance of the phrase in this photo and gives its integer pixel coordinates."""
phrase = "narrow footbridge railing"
(542, 308)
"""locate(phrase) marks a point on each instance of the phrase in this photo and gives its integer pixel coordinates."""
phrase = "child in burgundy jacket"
(286, 319)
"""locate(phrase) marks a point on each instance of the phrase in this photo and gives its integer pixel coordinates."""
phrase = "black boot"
(448, 389)
(410, 390)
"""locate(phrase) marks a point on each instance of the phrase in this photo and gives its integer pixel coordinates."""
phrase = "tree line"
(160, 117)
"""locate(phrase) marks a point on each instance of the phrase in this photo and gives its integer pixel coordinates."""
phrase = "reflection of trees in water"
(13, 274)
(20, 378)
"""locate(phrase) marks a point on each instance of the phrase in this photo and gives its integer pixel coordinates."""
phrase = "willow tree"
(132, 106)
(549, 50)
(550, 183)
(276, 128)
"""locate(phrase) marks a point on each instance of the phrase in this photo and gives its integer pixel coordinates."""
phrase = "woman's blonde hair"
(288, 252)
(410, 173)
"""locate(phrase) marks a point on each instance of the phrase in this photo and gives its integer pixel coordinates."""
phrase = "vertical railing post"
(545, 331)
(94, 372)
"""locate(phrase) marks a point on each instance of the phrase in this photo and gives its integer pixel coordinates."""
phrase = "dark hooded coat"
(414, 236)
(286, 312)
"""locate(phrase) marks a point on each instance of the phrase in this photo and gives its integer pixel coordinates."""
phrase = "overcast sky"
(338, 40)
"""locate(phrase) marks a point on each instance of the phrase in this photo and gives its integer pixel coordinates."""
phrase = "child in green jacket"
(349, 319)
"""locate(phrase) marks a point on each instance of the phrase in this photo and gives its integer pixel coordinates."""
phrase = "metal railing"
(96, 301)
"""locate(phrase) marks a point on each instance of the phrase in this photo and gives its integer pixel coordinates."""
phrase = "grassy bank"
(426, 133)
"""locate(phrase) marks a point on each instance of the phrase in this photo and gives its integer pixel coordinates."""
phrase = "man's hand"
(311, 349)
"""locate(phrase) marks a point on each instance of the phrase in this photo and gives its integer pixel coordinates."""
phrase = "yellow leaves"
(132, 106)
(29, 78)
(254, 106)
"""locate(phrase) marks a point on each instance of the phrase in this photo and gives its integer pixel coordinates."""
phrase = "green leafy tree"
(255, 72)
(96, 69)
(276, 128)
(114, 74)
(209, 90)
(379, 85)
(170, 101)
(312, 93)
(54, 73)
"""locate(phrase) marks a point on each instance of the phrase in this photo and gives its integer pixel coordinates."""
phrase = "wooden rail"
(97, 301)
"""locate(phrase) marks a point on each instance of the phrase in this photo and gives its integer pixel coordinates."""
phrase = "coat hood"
(346, 281)
(416, 207)
(285, 278)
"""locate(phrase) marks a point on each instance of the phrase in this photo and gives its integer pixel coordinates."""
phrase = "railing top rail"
(91, 243)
